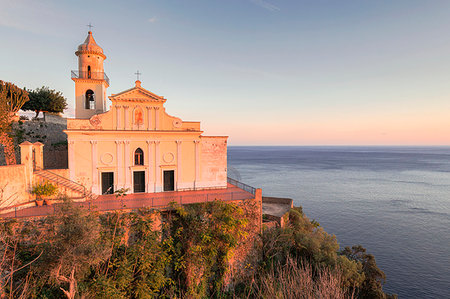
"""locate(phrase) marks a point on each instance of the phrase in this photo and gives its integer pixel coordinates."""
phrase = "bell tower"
(90, 80)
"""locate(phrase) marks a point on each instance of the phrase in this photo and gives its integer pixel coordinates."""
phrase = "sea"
(395, 201)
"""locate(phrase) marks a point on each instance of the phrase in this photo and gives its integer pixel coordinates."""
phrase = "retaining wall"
(13, 185)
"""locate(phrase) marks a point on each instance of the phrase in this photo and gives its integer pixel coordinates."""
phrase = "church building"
(135, 144)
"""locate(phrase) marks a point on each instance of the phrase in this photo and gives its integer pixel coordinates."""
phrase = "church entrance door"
(139, 181)
(169, 180)
(107, 182)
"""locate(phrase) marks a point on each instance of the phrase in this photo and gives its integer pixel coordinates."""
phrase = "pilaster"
(157, 118)
(118, 117)
(127, 165)
(149, 118)
(178, 182)
(151, 167)
(120, 171)
(94, 188)
(158, 185)
(126, 117)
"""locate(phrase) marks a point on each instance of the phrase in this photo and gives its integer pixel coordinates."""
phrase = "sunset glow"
(262, 72)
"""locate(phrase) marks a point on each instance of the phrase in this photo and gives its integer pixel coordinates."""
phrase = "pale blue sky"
(260, 71)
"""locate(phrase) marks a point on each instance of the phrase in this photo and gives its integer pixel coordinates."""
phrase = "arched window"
(138, 157)
(89, 72)
(90, 101)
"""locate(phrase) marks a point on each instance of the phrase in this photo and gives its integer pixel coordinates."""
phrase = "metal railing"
(158, 200)
(242, 186)
(89, 75)
(155, 201)
(60, 180)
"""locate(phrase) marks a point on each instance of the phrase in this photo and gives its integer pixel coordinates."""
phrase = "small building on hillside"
(135, 144)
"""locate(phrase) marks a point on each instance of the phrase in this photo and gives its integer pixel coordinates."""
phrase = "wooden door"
(139, 181)
(169, 180)
(107, 182)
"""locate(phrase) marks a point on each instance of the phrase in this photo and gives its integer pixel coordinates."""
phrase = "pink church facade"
(135, 145)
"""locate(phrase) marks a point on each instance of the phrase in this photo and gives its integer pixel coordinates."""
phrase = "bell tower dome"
(90, 79)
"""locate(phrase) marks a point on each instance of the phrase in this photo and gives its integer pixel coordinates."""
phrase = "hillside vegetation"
(197, 254)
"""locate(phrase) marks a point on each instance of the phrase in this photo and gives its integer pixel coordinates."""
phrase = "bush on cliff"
(121, 255)
(304, 242)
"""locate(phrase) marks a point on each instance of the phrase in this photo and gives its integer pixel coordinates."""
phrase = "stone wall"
(13, 185)
(276, 209)
(213, 159)
(248, 253)
(49, 133)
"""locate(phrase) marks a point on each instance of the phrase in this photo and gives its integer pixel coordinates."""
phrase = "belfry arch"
(89, 100)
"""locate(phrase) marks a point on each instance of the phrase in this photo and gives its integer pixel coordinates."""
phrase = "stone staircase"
(65, 183)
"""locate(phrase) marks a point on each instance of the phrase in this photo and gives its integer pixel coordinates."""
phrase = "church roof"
(89, 46)
(137, 93)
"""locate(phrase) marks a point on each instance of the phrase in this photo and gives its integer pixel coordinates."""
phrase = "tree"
(372, 286)
(75, 247)
(46, 100)
(12, 99)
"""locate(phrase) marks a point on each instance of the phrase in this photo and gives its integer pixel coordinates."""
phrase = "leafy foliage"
(136, 267)
(372, 286)
(12, 99)
(45, 99)
(44, 189)
(201, 238)
(78, 253)
(305, 242)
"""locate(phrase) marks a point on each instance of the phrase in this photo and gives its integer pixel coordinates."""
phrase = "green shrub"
(44, 189)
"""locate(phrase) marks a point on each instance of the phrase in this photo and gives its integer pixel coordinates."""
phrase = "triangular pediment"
(137, 94)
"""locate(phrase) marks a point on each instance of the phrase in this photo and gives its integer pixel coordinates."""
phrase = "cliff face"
(194, 250)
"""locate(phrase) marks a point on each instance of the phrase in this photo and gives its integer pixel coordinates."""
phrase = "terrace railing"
(242, 186)
(160, 200)
(153, 201)
(89, 75)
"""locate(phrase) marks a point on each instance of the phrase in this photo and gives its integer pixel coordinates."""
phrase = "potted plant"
(42, 190)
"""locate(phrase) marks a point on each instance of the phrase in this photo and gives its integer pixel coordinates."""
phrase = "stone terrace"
(105, 203)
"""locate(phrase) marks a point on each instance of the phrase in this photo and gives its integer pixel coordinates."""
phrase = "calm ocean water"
(395, 201)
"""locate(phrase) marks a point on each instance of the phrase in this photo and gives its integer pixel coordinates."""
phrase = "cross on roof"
(137, 75)
(90, 26)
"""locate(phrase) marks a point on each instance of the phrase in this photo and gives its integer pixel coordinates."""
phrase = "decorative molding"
(91, 53)
(168, 157)
(177, 123)
(95, 120)
(107, 158)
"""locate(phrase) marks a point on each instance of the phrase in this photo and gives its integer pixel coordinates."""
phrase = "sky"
(263, 72)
